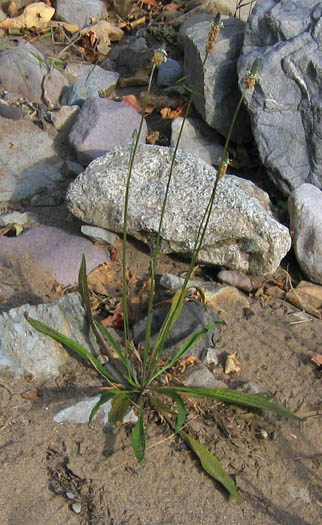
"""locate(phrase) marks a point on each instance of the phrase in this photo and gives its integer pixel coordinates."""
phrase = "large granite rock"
(242, 233)
(285, 106)
(80, 12)
(217, 82)
(305, 209)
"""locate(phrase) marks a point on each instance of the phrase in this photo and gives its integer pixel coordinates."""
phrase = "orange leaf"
(317, 359)
(170, 114)
(115, 320)
(132, 100)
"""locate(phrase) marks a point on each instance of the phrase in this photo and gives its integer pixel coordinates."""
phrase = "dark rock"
(193, 317)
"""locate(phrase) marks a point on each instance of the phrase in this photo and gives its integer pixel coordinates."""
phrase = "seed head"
(213, 34)
(160, 56)
(223, 166)
(252, 76)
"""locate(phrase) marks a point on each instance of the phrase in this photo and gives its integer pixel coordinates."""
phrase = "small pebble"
(210, 356)
(77, 508)
(70, 495)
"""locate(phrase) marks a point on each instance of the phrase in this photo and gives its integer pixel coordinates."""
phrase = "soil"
(75, 474)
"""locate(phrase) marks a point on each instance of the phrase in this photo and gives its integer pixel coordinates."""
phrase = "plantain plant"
(136, 376)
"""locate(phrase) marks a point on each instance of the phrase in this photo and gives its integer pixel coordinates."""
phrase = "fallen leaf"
(141, 78)
(232, 364)
(317, 359)
(170, 114)
(307, 296)
(12, 9)
(133, 101)
(71, 28)
(35, 16)
(31, 395)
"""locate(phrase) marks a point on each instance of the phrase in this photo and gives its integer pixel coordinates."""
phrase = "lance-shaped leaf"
(73, 345)
(261, 401)
(120, 404)
(138, 439)
(211, 465)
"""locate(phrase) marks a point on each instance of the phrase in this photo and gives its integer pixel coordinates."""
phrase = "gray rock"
(80, 412)
(193, 317)
(242, 232)
(89, 83)
(80, 12)
(58, 251)
(16, 217)
(98, 234)
(102, 124)
(285, 105)
(23, 69)
(200, 376)
(217, 83)
(193, 20)
(130, 59)
(168, 73)
(194, 142)
(23, 350)
(29, 163)
(10, 111)
(210, 356)
(305, 209)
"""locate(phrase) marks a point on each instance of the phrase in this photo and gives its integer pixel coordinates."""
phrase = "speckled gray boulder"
(80, 12)
(305, 209)
(285, 106)
(242, 232)
(217, 83)
(102, 124)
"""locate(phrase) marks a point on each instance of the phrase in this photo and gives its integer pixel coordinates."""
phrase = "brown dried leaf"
(170, 114)
(317, 359)
(35, 16)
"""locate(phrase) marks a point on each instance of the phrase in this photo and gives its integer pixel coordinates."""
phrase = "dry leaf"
(141, 78)
(170, 114)
(317, 359)
(31, 395)
(12, 9)
(232, 364)
(132, 100)
(35, 16)
(71, 28)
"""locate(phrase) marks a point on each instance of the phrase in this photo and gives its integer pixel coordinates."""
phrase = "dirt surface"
(75, 474)
(276, 464)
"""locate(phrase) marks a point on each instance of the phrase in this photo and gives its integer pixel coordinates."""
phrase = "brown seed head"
(252, 76)
(160, 56)
(213, 34)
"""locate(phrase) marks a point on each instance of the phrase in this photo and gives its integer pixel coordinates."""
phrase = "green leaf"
(261, 401)
(181, 410)
(105, 397)
(120, 405)
(190, 343)
(73, 345)
(211, 465)
(138, 439)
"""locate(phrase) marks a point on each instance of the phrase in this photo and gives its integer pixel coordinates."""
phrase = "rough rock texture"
(23, 350)
(29, 164)
(217, 83)
(194, 142)
(54, 249)
(23, 73)
(90, 81)
(102, 124)
(193, 317)
(305, 209)
(285, 106)
(242, 232)
(80, 12)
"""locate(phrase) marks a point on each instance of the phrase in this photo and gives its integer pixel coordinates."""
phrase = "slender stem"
(155, 351)
(133, 151)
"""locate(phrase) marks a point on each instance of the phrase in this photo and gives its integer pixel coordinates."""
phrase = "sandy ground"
(276, 464)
